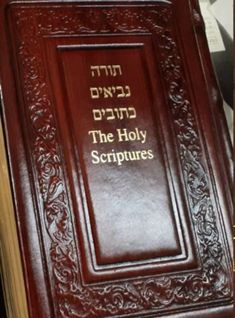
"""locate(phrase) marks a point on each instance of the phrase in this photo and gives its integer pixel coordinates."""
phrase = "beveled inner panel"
(130, 215)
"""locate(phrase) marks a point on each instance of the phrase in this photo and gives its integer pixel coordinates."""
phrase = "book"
(119, 187)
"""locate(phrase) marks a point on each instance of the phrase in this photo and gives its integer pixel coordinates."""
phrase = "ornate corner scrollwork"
(140, 295)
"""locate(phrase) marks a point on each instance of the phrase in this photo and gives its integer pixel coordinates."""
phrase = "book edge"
(11, 264)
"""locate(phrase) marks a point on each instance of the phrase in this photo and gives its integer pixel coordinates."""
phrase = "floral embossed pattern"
(139, 296)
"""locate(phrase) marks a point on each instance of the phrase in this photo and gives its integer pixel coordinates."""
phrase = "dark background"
(223, 63)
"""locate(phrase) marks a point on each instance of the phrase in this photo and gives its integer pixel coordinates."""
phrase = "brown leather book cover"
(119, 159)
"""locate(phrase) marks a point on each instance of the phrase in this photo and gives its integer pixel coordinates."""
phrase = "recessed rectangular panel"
(120, 154)
(117, 127)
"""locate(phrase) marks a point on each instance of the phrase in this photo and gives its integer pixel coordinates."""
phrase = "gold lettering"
(120, 157)
(106, 70)
(99, 137)
(150, 154)
(95, 157)
(94, 92)
(115, 113)
(132, 135)
(144, 154)
(119, 113)
(110, 92)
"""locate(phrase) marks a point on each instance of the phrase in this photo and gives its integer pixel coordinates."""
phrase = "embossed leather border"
(147, 295)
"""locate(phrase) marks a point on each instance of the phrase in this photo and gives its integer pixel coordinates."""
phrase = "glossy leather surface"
(121, 180)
